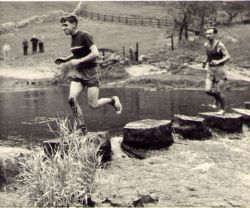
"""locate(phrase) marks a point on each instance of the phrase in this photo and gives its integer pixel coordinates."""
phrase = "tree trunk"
(186, 30)
(180, 32)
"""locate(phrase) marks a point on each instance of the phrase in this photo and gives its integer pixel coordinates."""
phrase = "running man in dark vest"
(216, 56)
(85, 71)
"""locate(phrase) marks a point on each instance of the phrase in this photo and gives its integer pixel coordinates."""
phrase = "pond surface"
(26, 110)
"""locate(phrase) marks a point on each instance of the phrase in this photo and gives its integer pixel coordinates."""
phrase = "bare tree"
(193, 13)
(203, 11)
(181, 17)
(233, 9)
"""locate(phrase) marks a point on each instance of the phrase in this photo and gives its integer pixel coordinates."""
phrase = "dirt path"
(29, 73)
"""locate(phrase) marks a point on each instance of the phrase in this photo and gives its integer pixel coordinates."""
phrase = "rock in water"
(229, 122)
(247, 105)
(191, 127)
(101, 139)
(148, 134)
(245, 114)
(9, 163)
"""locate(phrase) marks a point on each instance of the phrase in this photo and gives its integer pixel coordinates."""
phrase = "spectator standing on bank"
(6, 49)
(25, 46)
(34, 41)
(41, 44)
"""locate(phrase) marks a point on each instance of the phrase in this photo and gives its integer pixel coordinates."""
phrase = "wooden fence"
(153, 22)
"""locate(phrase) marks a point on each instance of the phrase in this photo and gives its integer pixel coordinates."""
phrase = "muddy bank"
(160, 75)
(191, 77)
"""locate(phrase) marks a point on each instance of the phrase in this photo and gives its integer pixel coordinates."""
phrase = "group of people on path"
(37, 43)
(85, 70)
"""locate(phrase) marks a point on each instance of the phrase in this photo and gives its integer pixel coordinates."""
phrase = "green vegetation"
(68, 178)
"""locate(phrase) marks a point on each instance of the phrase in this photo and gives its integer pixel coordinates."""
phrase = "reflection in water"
(19, 109)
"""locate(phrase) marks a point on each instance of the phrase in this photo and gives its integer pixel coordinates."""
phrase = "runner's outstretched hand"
(60, 60)
(214, 63)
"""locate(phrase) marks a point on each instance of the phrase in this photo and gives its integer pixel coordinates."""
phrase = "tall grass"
(67, 178)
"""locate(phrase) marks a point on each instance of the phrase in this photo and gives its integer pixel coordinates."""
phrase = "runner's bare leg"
(93, 98)
(75, 90)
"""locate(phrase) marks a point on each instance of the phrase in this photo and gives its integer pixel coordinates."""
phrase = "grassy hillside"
(15, 11)
(108, 35)
(128, 8)
(112, 35)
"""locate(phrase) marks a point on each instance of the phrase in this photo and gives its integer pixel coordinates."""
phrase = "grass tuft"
(67, 179)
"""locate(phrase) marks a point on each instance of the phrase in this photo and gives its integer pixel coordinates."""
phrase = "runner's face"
(68, 27)
(210, 34)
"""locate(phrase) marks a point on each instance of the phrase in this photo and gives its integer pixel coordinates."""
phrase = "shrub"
(67, 179)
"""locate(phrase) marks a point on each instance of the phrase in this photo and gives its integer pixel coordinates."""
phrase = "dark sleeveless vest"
(213, 54)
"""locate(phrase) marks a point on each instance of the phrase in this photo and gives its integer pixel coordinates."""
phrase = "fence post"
(172, 42)
(123, 52)
(103, 55)
(137, 52)
(104, 19)
(142, 21)
(158, 22)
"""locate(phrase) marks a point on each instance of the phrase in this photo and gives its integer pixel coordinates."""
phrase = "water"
(26, 111)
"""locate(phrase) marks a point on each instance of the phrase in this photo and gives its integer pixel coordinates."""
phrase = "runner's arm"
(94, 53)
(226, 56)
(64, 59)
(68, 58)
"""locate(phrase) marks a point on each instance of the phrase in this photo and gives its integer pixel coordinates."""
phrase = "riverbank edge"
(151, 84)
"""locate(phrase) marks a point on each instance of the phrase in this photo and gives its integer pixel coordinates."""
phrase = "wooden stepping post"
(148, 134)
(229, 122)
(245, 114)
(101, 139)
(191, 127)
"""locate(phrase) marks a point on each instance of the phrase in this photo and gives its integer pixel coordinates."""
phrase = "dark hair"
(70, 18)
(212, 27)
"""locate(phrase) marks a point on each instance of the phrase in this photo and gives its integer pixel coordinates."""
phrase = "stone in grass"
(228, 122)
(191, 127)
(148, 134)
(245, 114)
(9, 163)
(101, 139)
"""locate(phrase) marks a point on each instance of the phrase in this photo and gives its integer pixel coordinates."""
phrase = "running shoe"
(221, 112)
(82, 129)
(116, 104)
